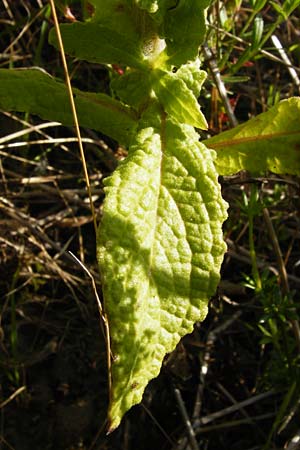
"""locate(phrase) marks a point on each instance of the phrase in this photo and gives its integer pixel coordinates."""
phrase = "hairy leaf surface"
(160, 247)
(192, 76)
(43, 95)
(177, 99)
(270, 141)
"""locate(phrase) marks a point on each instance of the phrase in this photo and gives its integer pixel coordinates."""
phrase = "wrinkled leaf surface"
(177, 99)
(160, 248)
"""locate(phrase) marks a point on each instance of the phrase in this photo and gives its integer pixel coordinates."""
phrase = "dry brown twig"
(12, 396)
(211, 338)
(87, 180)
(74, 112)
(189, 428)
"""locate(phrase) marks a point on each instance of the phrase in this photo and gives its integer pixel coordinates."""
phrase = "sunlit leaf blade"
(160, 247)
(177, 99)
(192, 76)
(270, 141)
(95, 43)
(43, 95)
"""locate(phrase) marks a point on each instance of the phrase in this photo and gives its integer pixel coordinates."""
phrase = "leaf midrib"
(238, 141)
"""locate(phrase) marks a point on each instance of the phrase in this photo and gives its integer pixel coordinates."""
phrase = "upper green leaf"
(177, 99)
(96, 43)
(34, 91)
(184, 29)
(159, 272)
(137, 26)
(134, 21)
(270, 141)
(121, 15)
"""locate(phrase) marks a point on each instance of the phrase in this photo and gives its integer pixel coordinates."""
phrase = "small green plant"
(160, 244)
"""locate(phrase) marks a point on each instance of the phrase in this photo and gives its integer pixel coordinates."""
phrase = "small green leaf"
(177, 99)
(270, 141)
(192, 76)
(257, 32)
(278, 8)
(258, 5)
(39, 93)
(96, 43)
(160, 248)
(287, 7)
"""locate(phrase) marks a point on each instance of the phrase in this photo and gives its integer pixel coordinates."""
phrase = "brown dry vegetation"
(238, 386)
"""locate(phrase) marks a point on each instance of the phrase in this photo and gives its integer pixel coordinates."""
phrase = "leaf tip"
(111, 429)
(114, 421)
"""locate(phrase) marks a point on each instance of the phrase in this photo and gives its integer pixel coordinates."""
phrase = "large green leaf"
(270, 141)
(36, 92)
(184, 29)
(96, 43)
(160, 247)
(177, 99)
(136, 27)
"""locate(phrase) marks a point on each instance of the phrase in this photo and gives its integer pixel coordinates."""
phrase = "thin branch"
(102, 315)
(286, 59)
(220, 85)
(74, 112)
(12, 396)
(224, 412)
(186, 419)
